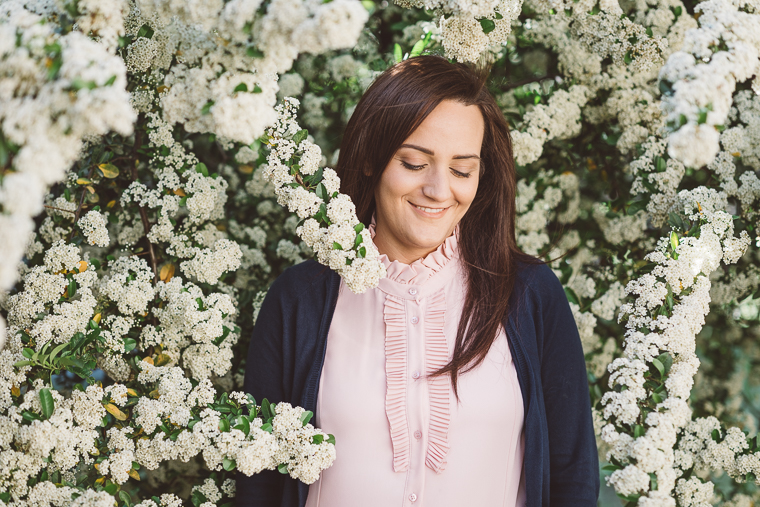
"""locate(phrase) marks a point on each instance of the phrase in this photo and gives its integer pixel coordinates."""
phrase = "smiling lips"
(430, 211)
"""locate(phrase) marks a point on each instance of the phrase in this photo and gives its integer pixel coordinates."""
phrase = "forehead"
(452, 128)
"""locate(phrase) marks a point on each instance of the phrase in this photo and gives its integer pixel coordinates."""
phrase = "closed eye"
(459, 174)
(412, 167)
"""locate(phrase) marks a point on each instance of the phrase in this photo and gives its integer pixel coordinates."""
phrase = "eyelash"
(418, 167)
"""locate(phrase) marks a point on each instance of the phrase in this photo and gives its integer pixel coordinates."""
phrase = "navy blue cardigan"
(561, 466)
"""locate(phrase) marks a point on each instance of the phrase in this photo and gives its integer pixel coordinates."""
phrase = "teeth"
(430, 210)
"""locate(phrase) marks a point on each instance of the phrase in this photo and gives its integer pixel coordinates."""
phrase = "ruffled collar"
(422, 269)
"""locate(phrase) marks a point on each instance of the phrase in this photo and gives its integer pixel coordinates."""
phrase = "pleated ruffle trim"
(436, 356)
(422, 269)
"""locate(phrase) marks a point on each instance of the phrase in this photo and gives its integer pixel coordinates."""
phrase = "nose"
(436, 185)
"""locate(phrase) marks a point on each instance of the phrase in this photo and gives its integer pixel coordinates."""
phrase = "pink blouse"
(402, 438)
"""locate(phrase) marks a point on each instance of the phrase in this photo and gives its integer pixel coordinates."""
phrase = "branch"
(143, 213)
(517, 84)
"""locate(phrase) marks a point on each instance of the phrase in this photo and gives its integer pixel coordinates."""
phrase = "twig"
(79, 207)
(517, 84)
(59, 209)
(143, 213)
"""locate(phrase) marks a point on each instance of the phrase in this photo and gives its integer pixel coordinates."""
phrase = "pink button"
(415, 320)
(412, 497)
(413, 291)
(418, 434)
(415, 374)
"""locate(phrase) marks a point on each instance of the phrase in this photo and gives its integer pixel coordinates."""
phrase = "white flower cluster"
(679, 281)
(250, 445)
(55, 443)
(344, 244)
(44, 286)
(559, 119)
(702, 77)
(534, 213)
(93, 225)
(226, 84)
(469, 29)
(704, 446)
(55, 90)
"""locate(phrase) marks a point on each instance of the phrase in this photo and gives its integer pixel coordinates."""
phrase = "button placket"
(417, 399)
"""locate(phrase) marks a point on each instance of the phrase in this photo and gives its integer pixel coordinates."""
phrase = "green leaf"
(27, 353)
(638, 431)
(362, 252)
(145, 31)
(317, 439)
(282, 468)
(331, 439)
(109, 170)
(224, 425)
(256, 89)
(488, 25)
(636, 206)
(242, 87)
(358, 240)
(660, 367)
(267, 412)
(129, 344)
(398, 55)
(124, 497)
(359, 227)
(321, 191)
(200, 167)
(242, 424)
(420, 45)
(674, 240)
(306, 417)
(72, 288)
(206, 109)
(198, 498)
(571, 296)
(46, 402)
(229, 464)
(20, 364)
(336, 246)
(300, 136)
(254, 52)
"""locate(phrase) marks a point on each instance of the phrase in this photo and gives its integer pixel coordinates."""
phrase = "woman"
(461, 378)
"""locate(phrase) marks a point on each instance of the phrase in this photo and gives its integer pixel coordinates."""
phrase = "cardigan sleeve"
(263, 379)
(574, 462)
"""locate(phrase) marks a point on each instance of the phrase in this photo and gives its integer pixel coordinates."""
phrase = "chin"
(425, 240)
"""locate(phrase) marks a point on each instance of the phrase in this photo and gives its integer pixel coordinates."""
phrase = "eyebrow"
(430, 152)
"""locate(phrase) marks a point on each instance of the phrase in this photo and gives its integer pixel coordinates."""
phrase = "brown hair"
(389, 111)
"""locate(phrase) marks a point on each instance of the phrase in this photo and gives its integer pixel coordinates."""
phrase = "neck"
(396, 252)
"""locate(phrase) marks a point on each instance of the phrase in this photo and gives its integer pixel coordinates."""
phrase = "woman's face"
(429, 183)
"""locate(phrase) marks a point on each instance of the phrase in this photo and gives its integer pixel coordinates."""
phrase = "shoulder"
(538, 281)
(301, 280)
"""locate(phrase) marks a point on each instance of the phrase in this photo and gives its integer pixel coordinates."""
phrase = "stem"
(59, 209)
(517, 84)
(143, 212)
(79, 207)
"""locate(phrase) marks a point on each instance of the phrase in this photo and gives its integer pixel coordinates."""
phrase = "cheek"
(393, 185)
(465, 193)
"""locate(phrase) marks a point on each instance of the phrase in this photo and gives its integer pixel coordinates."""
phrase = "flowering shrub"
(155, 178)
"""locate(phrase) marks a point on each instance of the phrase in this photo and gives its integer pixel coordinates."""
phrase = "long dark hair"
(389, 111)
